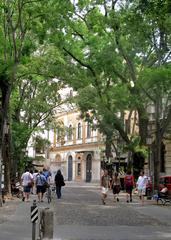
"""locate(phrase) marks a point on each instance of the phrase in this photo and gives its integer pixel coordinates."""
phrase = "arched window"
(88, 130)
(70, 132)
(79, 131)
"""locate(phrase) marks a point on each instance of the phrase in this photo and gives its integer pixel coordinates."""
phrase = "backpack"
(128, 181)
(46, 174)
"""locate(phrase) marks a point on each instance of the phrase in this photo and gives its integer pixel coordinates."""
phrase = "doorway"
(88, 168)
(70, 168)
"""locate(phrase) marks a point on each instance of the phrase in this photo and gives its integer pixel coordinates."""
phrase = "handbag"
(63, 184)
(30, 184)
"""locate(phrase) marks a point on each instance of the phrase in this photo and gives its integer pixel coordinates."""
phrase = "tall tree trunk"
(7, 162)
(0, 176)
(108, 146)
(143, 125)
(5, 140)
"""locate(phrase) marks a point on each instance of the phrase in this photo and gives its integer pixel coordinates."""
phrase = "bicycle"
(49, 194)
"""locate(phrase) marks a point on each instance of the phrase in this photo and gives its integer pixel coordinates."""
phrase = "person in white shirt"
(27, 180)
(34, 179)
(163, 192)
(141, 186)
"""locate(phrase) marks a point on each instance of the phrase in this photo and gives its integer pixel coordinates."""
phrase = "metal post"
(119, 161)
(34, 218)
(153, 169)
(34, 231)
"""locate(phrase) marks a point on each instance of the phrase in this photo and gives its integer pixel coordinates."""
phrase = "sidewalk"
(8, 209)
(15, 221)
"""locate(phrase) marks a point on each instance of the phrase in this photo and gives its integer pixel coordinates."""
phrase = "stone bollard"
(46, 224)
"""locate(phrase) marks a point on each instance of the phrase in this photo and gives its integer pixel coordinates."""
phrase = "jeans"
(58, 191)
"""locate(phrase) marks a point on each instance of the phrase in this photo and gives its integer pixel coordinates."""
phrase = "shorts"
(104, 190)
(116, 189)
(129, 189)
(141, 192)
(26, 189)
(41, 189)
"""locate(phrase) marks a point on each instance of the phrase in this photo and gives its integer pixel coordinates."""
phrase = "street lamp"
(119, 156)
(149, 141)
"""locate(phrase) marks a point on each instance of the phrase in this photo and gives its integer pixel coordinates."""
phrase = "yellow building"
(76, 150)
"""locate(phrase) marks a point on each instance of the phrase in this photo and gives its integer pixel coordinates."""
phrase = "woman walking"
(59, 181)
(115, 185)
(129, 183)
(105, 184)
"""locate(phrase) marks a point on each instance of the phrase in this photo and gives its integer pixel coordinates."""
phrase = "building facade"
(76, 149)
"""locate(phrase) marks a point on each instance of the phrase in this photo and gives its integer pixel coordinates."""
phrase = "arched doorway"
(88, 168)
(70, 168)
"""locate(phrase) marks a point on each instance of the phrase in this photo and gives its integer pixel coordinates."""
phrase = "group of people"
(38, 182)
(129, 183)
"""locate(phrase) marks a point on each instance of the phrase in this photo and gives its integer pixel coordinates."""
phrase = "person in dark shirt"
(129, 184)
(59, 181)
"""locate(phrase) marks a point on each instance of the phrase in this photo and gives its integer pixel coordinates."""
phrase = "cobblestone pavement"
(81, 215)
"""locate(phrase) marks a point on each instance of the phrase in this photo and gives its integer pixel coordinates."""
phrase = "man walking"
(40, 185)
(141, 186)
(27, 183)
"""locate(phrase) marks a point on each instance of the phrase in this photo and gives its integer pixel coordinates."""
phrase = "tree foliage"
(114, 53)
(109, 46)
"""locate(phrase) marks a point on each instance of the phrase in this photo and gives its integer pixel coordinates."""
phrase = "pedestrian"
(115, 185)
(40, 185)
(129, 184)
(164, 190)
(27, 183)
(47, 174)
(14, 188)
(105, 184)
(31, 189)
(141, 186)
(59, 182)
(34, 179)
